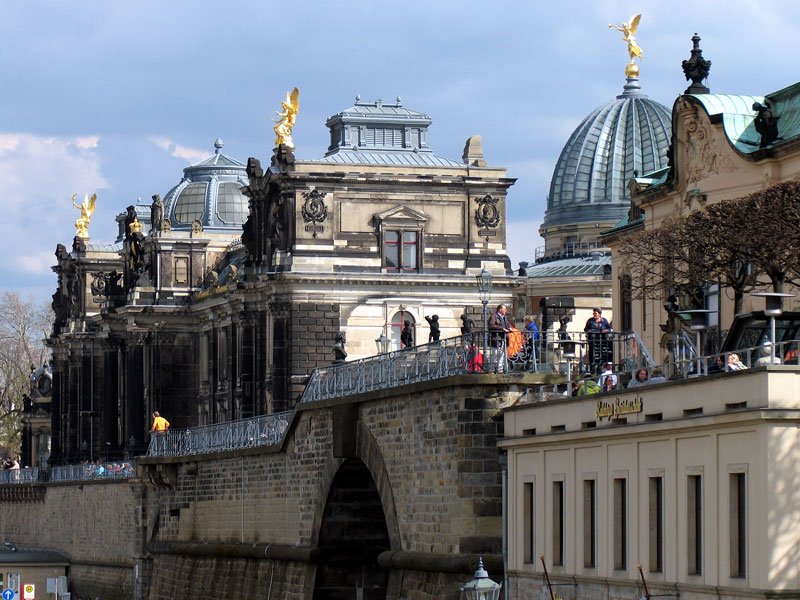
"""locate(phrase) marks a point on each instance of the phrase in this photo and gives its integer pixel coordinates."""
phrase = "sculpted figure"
(629, 35)
(87, 208)
(288, 116)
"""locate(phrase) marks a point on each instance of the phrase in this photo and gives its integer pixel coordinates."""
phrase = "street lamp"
(382, 343)
(773, 308)
(484, 279)
(480, 588)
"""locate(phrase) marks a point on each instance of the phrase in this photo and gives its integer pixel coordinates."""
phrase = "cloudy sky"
(118, 97)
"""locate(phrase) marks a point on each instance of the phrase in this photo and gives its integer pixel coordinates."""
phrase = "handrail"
(264, 430)
(517, 352)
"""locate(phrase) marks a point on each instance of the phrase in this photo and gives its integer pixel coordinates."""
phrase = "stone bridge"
(388, 494)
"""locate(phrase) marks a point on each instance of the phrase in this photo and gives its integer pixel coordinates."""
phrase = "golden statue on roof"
(87, 208)
(288, 115)
(628, 30)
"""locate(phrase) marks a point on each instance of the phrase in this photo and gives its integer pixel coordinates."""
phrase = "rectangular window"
(558, 523)
(589, 523)
(656, 524)
(620, 524)
(527, 521)
(401, 250)
(738, 524)
(391, 250)
(694, 524)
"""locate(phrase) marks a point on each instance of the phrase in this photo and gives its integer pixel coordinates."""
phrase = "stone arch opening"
(352, 534)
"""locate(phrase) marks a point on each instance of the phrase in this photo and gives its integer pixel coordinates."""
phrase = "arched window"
(398, 321)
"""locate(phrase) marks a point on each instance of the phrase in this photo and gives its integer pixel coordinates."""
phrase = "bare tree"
(743, 243)
(670, 259)
(770, 232)
(23, 327)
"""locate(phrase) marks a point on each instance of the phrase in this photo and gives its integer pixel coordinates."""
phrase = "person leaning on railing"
(160, 424)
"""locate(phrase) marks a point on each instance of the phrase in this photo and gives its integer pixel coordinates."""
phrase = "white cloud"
(40, 175)
(191, 155)
(37, 262)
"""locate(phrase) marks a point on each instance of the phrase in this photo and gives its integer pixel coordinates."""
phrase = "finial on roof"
(358, 98)
(218, 145)
(399, 101)
(696, 68)
(628, 30)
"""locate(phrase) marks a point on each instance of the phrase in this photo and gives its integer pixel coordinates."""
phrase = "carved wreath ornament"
(314, 209)
(487, 214)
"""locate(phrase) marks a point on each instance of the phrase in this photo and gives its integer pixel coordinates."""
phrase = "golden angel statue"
(288, 115)
(628, 30)
(87, 208)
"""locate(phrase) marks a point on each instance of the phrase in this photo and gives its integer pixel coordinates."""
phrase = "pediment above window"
(400, 216)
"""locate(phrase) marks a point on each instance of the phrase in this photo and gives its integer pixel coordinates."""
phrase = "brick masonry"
(249, 518)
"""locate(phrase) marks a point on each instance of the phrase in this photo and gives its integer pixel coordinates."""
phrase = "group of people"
(609, 380)
(10, 464)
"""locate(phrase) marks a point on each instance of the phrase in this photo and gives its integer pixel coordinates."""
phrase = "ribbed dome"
(210, 192)
(631, 133)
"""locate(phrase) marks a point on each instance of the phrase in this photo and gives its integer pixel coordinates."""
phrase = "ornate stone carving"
(704, 155)
(696, 68)
(314, 211)
(487, 214)
(279, 309)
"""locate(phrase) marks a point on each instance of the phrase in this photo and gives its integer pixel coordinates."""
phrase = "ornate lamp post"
(480, 588)
(484, 279)
(774, 308)
(382, 343)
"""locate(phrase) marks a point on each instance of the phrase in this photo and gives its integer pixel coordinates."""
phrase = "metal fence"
(264, 430)
(82, 472)
(519, 351)
(19, 475)
(91, 471)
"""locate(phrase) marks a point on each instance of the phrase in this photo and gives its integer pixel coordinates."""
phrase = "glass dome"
(210, 192)
(589, 184)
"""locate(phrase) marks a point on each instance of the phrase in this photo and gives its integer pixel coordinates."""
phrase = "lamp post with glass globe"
(773, 308)
(484, 279)
(480, 588)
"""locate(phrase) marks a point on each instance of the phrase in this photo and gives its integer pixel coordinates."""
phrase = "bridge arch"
(355, 520)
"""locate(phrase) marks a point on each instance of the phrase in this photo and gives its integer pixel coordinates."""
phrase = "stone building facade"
(217, 302)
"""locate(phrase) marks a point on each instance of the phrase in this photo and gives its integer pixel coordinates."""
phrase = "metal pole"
(485, 333)
(699, 358)
(772, 339)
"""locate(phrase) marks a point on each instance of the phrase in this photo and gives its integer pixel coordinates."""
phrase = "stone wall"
(430, 452)
(250, 524)
(95, 524)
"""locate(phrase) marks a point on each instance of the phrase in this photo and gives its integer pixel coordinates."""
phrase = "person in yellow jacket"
(160, 424)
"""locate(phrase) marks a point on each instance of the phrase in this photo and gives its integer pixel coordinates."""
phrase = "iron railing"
(519, 351)
(91, 471)
(264, 430)
(20, 475)
(82, 472)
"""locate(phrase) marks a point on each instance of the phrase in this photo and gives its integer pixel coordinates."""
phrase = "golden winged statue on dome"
(628, 30)
(87, 208)
(288, 115)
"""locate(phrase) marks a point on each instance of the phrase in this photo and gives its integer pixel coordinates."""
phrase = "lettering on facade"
(315, 229)
(487, 233)
(612, 410)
